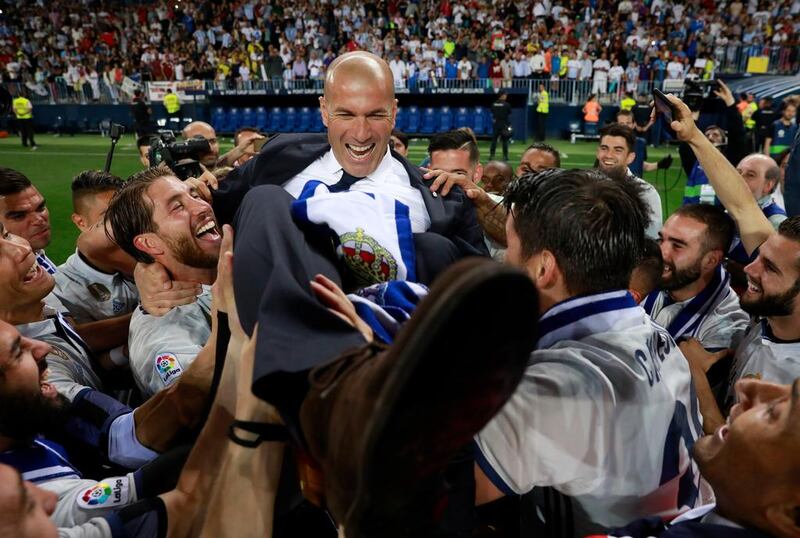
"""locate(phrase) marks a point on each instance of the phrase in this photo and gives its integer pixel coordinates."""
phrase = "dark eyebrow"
(15, 214)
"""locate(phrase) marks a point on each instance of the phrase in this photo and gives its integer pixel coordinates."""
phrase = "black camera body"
(698, 92)
(183, 158)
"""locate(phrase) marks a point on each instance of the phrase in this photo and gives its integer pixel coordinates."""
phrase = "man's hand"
(159, 293)
(244, 149)
(724, 93)
(682, 122)
(204, 184)
(445, 181)
(700, 360)
(337, 302)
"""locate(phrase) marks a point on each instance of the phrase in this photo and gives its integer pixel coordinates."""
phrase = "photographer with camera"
(731, 142)
(210, 158)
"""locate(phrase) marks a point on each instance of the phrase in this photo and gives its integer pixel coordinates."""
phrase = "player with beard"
(770, 348)
(617, 150)
(695, 299)
(158, 218)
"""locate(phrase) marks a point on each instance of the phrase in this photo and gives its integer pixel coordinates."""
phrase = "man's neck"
(785, 327)
(690, 291)
(184, 273)
(24, 314)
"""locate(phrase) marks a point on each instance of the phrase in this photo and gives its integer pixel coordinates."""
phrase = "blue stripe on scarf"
(405, 238)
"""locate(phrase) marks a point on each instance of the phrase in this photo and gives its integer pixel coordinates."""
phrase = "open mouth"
(752, 287)
(359, 153)
(33, 274)
(208, 231)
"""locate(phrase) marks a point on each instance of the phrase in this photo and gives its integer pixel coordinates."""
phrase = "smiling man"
(156, 217)
(616, 151)
(770, 347)
(695, 299)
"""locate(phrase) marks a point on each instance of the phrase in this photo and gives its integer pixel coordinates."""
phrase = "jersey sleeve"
(549, 433)
(97, 527)
(81, 500)
(63, 375)
(727, 326)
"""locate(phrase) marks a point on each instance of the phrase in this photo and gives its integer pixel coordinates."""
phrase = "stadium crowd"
(320, 335)
(88, 44)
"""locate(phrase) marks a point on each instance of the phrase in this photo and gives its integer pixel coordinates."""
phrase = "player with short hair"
(695, 299)
(605, 412)
(156, 217)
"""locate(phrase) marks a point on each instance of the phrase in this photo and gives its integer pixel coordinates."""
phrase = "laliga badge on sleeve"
(168, 367)
(108, 493)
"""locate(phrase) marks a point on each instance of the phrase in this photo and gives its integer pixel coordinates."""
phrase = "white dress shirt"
(389, 178)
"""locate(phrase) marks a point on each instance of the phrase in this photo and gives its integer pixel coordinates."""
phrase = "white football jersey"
(762, 356)
(713, 316)
(161, 348)
(605, 413)
(69, 364)
(90, 294)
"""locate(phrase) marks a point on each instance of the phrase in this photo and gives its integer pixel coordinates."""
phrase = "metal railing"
(728, 59)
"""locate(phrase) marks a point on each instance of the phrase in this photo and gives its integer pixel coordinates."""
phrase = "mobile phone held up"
(663, 106)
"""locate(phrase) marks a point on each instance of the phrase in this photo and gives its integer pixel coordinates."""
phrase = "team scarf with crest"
(370, 231)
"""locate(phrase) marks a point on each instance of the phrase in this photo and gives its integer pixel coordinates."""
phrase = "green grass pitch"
(58, 159)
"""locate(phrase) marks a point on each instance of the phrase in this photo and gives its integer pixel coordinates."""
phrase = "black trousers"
(275, 262)
(26, 132)
(541, 126)
(498, 133)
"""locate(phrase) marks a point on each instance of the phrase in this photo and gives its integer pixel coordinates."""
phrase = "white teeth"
(206, 227)
(360, 148)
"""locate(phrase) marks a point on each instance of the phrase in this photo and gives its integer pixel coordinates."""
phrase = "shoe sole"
(480, 376)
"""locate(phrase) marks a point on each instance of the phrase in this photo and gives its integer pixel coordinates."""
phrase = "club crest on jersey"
(168, 367)
(117, 306)
(369, 261)
(113, 492)
(99, 292)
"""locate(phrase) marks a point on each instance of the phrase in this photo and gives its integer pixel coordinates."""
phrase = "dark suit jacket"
(286, 155)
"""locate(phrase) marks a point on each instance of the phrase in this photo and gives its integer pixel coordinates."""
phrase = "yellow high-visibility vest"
(172, 103)
(750, 122)
(544, 103)
(627, 104)
(22, 108)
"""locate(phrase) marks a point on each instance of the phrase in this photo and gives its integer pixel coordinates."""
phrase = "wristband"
(262, 431)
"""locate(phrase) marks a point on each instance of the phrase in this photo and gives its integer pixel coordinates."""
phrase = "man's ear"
(79, 221)
(323, 110)
(713, 258)
(150, 244)
(476, 177)
(544, 270)
(784, 518)
(631, 157)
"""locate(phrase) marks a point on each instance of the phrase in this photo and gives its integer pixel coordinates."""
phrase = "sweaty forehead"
(783, 252)
(162, 189)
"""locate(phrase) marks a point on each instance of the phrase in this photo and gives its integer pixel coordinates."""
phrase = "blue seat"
(412, 120)
(481, 122)
(290, 121)
(462, 118)
(304, 123)
(219, 120)
(262, 119)
(316, 121)
(428, 121)
(401, 120)
(445, 119)
(234, 120)
(248, 117)
(275, 120)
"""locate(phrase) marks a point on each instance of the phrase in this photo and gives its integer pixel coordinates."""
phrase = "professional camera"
(181, 157)
(697, 92)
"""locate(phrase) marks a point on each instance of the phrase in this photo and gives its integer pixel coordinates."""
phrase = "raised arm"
(731, 189)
